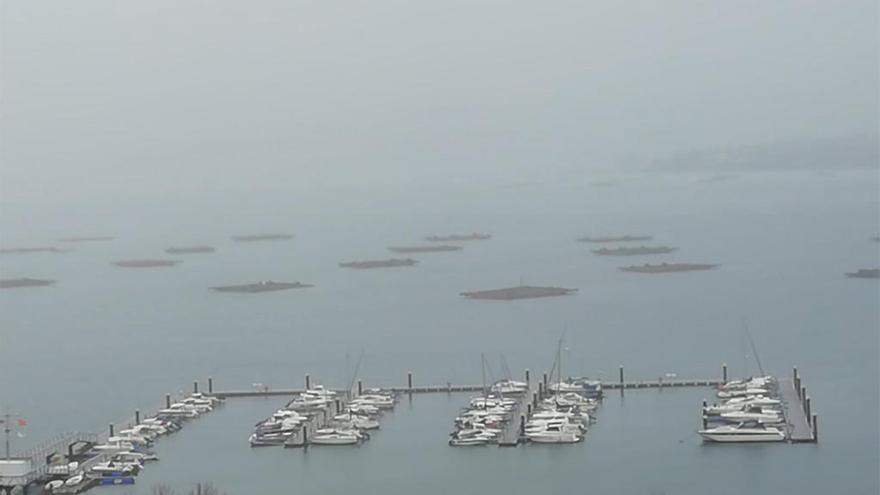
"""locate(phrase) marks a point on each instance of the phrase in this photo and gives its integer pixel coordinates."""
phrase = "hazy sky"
(114, 98)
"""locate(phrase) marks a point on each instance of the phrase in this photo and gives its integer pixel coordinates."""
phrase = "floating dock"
(521, 292)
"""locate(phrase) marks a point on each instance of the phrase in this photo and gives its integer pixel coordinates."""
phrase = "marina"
(506, 413)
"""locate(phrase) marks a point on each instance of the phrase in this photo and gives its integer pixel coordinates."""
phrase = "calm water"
(106, 340)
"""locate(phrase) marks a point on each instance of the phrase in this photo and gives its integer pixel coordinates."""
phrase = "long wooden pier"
(448, 388)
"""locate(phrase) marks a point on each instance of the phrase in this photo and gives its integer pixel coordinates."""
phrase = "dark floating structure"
(190, 250)
(145, 263)
(622, 238)
(459, 237)
(262, 286)
(86, 239)
(668, 267)
(261, 237)
(521, 292)
(15, 283)
(634, 251)
(865, 273)
(424, 249)
(25, 250)
(389, 263)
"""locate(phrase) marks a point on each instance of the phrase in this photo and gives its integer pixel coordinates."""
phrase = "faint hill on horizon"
(826, 154)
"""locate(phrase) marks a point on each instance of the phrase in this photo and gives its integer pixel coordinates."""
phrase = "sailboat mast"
(754, 348)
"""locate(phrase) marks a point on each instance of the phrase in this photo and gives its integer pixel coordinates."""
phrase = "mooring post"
(528, 380)
(724, 372)
(167, 401)
(111, 430)
(621, 378)
(195, 386)
(522, 426)
(448, 387)
(529, 410)
(815, 428)
(305, 435)
(545, 379)
(705, 421)
(308, 382)
(535, 399)
(137, 417)
(210, 385)
(797, 386)
(338, 408)
(409, 381)
(795, 372)
(360, 387)
(540, 391)
(804, 398)
(807, 406)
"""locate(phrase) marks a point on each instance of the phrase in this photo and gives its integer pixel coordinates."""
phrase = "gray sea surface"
(106, 340)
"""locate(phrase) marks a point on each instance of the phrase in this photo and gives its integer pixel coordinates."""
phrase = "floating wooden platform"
(521, 292)
(798, 423)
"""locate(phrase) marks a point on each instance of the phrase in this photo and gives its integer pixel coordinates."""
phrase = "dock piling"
(111, 430)
(815, 428)
(167, 401)
(804, 398)
(807, 408)
(195, 386)
(338, 408)
(360, 387)
(522, 426)
(545, 379)
(305, 435)
(724, 372)
(528, 380)
(137, 417)
(535, 399)
(621, 378)
(409, 381)
(210, 385)
(529, 410)
(308, 382)
(540, 391)
(705, 421)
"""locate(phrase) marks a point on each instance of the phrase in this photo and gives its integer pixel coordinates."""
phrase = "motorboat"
(745, 392)
(74, 480)
(509, 387)
(335, 437)
(743, 432)
(754, 414)
(554, 436)
(53, 485)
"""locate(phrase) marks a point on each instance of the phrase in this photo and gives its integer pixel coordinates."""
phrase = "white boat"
(754, 414)
(745, 392)
(742, 433)
(554, 437)
(357, 422)
(509, 387)
(335, 438)
(53, 485)
(74, 480)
